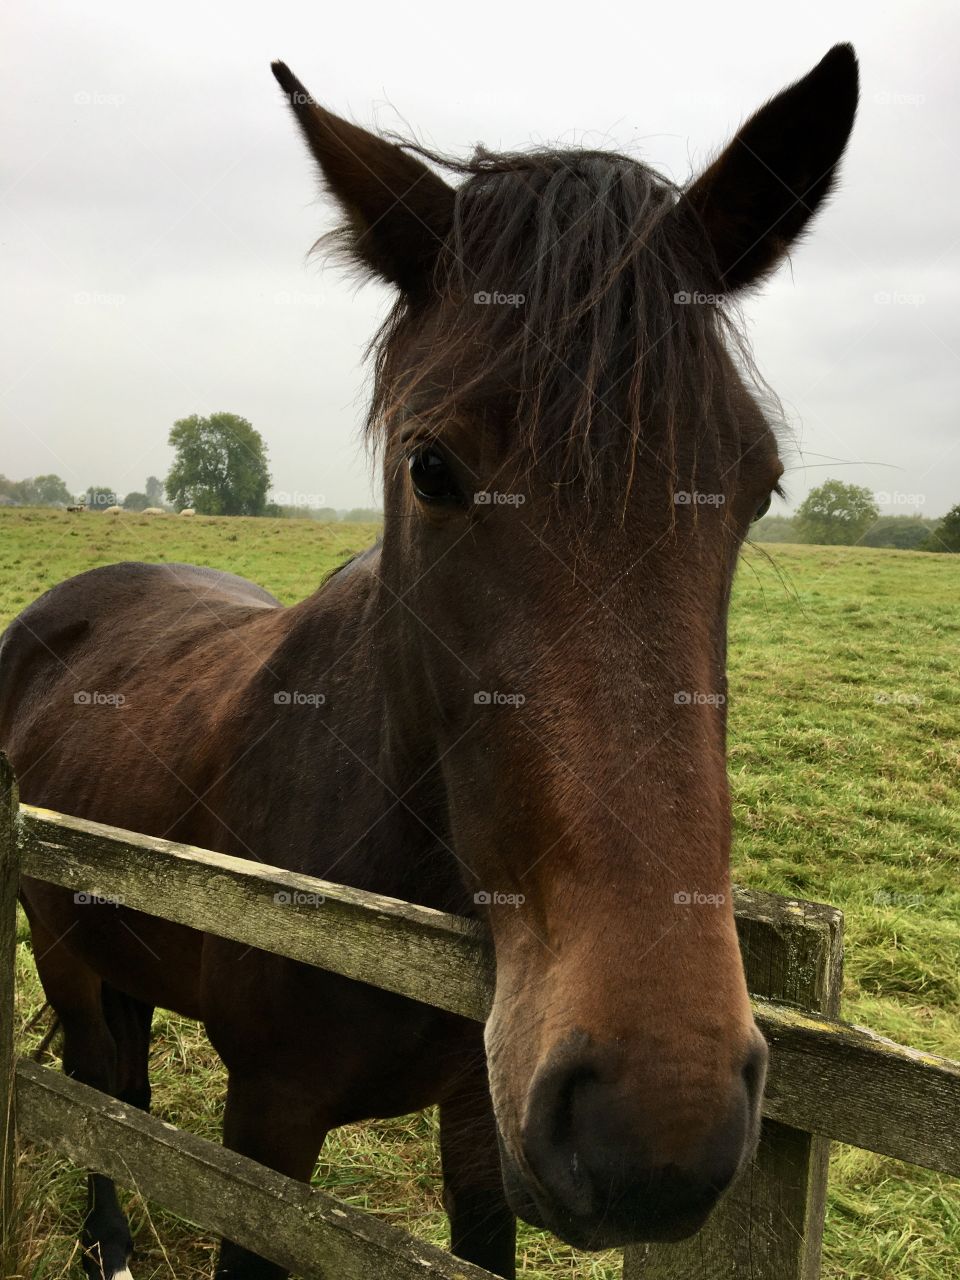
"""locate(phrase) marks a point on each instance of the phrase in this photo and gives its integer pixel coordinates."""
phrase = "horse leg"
(130, 1021)
(90, 1055)
(279, 1126)
(483, 1229)
(107, 1243)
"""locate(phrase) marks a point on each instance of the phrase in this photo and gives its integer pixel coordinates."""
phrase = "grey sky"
(159, 205)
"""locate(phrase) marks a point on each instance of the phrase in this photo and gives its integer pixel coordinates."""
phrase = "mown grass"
(845, 763)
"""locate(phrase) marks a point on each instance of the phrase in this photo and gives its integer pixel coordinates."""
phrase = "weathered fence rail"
(293, 1224)
(827, 1079)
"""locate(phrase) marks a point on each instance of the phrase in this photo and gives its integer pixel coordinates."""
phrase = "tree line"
(838, 514)
(220, 468)
(51, 491)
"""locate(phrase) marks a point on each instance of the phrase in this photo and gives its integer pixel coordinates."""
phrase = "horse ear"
(398, 211)
(758, 196)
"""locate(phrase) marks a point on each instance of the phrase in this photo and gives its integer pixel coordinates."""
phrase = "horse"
(512, 707)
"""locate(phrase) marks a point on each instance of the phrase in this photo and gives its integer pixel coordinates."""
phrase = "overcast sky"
(158, 206)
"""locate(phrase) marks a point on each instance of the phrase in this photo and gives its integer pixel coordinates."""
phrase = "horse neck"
(371, 767)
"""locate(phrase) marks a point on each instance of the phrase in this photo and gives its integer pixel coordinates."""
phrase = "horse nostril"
(606, 1166)
(551, 1139)
(755, 1071)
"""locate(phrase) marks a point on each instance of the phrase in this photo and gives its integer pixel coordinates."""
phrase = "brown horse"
(513, 707)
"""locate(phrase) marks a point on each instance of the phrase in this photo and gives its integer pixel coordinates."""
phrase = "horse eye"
(763, 508)
(431, 477)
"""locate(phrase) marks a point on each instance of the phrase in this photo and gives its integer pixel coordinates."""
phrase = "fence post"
(9, 885)
(770, 1226)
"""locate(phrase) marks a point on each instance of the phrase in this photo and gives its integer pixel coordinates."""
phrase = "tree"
(220, 468)
(137, 501)
(100, 496)
(774, 529)
(906, 533)
(363, 515)
(154, 492)
(40, 491)
(50, 491)
(325, 514)
(835, 514)
(946, 537)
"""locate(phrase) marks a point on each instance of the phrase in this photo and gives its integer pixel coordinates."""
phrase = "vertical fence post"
(9, 885)
(770, 1225)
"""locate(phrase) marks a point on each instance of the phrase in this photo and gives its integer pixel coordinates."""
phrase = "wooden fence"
(827, 1079)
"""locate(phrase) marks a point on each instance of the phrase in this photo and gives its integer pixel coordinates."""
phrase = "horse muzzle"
(595, 1168)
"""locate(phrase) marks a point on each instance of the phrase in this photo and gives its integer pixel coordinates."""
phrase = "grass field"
(845, 762)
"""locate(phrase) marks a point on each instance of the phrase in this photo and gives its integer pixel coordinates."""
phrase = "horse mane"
(600, 361)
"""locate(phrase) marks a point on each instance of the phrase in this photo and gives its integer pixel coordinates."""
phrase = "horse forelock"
(576, 309)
